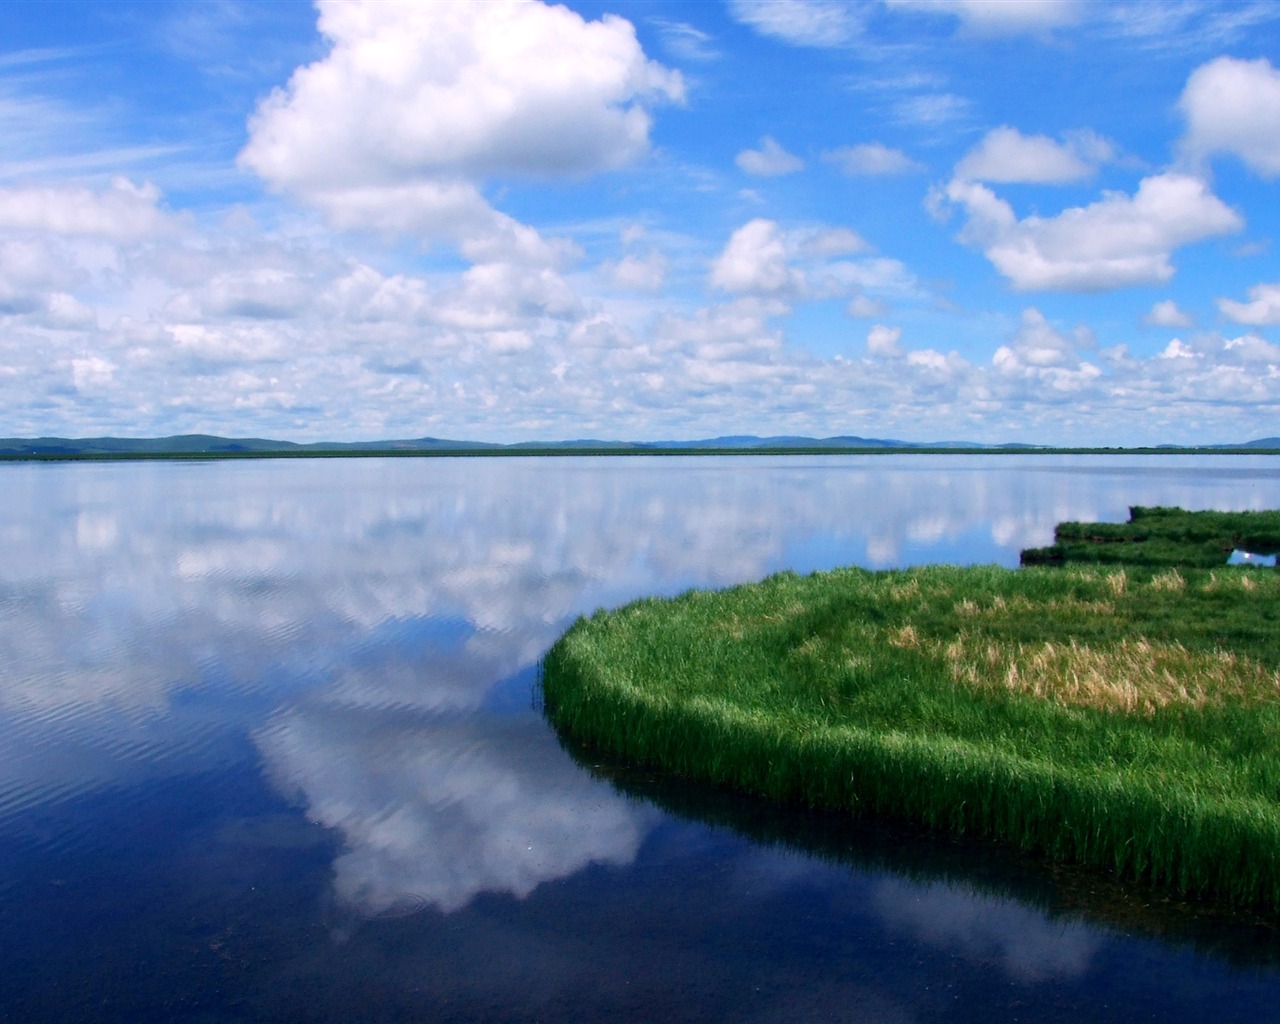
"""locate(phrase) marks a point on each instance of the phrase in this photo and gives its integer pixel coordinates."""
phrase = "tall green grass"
(892, 693)
(1162, 536)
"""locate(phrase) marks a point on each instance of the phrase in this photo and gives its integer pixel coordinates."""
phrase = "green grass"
(1162, 537)
(1127, 719)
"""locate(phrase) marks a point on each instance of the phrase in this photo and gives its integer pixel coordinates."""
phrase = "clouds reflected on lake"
(374, 625)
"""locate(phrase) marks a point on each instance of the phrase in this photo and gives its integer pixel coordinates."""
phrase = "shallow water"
(270, 750)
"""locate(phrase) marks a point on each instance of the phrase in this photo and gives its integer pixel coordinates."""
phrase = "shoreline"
(551, 452)
(889, 693)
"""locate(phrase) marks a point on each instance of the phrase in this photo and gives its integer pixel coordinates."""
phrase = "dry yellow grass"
(1171, 580)
(1132, 676)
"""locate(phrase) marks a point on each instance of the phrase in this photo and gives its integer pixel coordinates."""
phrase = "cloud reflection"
(377, 604)
(436, 810)
(1026, 944)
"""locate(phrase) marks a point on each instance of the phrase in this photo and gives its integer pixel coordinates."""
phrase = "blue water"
(270, 750)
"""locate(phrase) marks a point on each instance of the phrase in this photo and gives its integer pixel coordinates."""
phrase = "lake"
(271, 750)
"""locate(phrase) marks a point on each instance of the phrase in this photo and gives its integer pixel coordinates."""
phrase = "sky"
(1042, 221)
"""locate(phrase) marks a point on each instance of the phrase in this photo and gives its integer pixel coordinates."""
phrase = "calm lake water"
(270, 750)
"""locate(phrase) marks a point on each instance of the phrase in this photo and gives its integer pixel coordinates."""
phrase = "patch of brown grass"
(1134, 676)
(1171, 580)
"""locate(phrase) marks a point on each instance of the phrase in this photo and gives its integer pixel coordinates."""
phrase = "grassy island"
(1121, 716)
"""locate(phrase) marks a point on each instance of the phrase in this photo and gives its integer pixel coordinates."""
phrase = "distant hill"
(209, 444)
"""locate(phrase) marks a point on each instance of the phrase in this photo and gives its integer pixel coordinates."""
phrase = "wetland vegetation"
(1120, 711)
(1167, 537)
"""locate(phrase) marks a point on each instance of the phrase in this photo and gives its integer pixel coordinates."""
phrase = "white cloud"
(1167, 313)
(932, 110)
(756, 259)
(91, 373)
(31, 268)
(761, 258)
(642, 273)
(1047, 359)
(261, 293)
(454, 211)
(1183, 27)
(1037, 344)
(123, 212)
(865, 308)
(1006, 155)
(1117, 242)
(770, 160)
(1178, 349)
(823, 242)
(686, 42)
(66, 312)
(469, 90)
(1233, 106)
(883, 341)
(871, 158)
(505, 296)
(1000, 16)
(1262, 309)
(800, 22)
(416, 103)
(1252, 349)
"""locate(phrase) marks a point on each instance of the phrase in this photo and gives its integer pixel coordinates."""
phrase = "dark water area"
(270, 750)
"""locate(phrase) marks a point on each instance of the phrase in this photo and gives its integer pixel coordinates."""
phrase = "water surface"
(270, 750)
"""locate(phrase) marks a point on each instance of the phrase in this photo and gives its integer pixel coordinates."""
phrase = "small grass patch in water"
(1125, 718)
(1162, 536)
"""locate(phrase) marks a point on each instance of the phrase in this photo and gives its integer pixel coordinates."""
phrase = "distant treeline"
(204, 446)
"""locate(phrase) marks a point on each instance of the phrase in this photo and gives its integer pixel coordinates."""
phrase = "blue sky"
(1051, 222)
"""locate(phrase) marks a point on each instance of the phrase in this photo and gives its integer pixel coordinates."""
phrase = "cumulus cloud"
(1252, 349)
(1116, 242)
(871, 159)
(1167, 313)
(122, 212)
(505, 296)
(1038, 346)
(261, 293)
(800, 22)
(1225, 359)
(1233, 106)
(1006, 155)
(39, 279)
(455, 211)
(1178, 349)
(756, 259)
(883, 341)
(762, 258)
(416, 103)
(1043, 366)
(640, 272)
(1262, 309)
(30, 270)
(770, 160)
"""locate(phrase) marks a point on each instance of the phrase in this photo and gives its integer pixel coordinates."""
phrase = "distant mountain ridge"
(211, 444)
